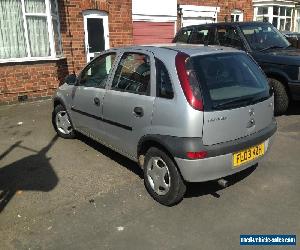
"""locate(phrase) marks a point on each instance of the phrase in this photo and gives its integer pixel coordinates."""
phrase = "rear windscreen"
(230, 80)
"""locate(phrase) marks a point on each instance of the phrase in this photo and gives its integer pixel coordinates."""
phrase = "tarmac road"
(77, 194)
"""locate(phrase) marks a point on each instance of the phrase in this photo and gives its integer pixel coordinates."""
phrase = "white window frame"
(50, 17)
(238, 13)
(270, 15)
(55, 16)
(98, 15)
(297, 20)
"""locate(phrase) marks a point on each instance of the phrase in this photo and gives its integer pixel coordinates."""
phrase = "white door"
(96, 33)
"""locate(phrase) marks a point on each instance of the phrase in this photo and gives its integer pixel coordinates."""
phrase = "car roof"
(190, 49)
(227, 24)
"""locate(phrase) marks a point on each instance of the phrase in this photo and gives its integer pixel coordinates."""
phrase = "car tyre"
(281, 98)
(162, 178)
(62, 123)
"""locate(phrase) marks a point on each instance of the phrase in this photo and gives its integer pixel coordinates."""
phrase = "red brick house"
(41, 41)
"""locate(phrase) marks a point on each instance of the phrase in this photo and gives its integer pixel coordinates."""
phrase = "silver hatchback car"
(185, 113)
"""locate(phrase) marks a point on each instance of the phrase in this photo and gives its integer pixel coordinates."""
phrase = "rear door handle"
(97, 101)
(138, 111)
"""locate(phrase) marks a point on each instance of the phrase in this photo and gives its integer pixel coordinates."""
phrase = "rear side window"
(133, 74)
(202, 35)
(183, 36)
(230, 79)
(229, 36)
(163, 83)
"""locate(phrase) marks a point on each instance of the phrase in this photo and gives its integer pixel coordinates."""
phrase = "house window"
(29, 29)
(279, 16)
(262, 10)
(237, 16)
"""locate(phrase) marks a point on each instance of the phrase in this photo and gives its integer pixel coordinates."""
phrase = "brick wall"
(40, 79)
(35, 79)
(72, 30)
(226, 7)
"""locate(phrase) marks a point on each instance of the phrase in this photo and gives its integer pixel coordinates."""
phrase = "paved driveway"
(77, 194)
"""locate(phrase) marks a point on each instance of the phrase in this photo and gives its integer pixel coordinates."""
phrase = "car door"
(88, 94)
(128, 104)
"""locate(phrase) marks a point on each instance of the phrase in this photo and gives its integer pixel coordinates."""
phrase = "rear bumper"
(218, 166)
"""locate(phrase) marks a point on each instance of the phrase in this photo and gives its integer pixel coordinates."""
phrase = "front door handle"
(138, 111)
(97, 101)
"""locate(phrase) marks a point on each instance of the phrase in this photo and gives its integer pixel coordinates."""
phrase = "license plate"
(248, 154)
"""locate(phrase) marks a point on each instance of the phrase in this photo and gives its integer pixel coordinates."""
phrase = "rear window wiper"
(233, 103)
(241, 102)
(272, 47)
(289, 46)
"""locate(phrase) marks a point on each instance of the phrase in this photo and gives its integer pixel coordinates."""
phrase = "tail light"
(189, 82)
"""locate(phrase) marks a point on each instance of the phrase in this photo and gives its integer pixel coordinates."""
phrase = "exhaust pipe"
(223, 183)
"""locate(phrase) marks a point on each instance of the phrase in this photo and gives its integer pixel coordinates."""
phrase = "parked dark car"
(293, 38)
(274, 53)
(293, 35)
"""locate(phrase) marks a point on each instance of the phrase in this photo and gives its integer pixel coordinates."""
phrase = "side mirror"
(71, 79)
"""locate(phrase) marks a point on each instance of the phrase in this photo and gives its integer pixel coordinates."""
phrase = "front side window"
(230, 79)
(29, 29)
(97, 72)
(263, 37)
(133, 74)
(228, 36)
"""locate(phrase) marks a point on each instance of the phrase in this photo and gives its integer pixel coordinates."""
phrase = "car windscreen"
(264, 36)
(229, 80)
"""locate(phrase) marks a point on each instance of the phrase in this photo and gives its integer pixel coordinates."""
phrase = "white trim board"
(153, 18)
(194, 11)
(30, 59)
(257, 3)
(197, 8)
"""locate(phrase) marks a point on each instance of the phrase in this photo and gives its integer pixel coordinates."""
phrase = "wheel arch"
(280, 77)
(149, 141)
(58, 101)
(146, 142)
